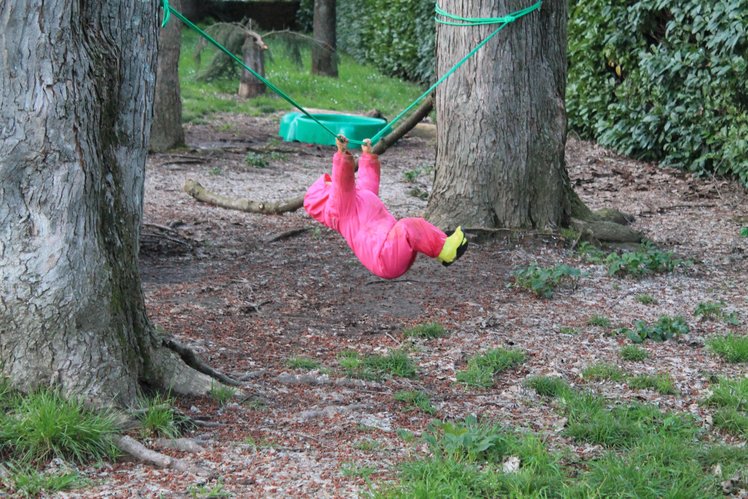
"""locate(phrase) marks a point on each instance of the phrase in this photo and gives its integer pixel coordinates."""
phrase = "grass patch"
(568, 330)
(158, 418)
(482, 368)
(27, 481)
(543, 281)
(358, 88)
(633, 353)
(357, 471)
(661, 383)
(732, 348)
(603, 372)
(599, 320)
(716, 310)
(731, 421)
(221, 393)
(396, 363)
(427, 330)
(645, 299)
(303, 363)
(415, 400)
(43, 425)
(730, 397)
(548, 386)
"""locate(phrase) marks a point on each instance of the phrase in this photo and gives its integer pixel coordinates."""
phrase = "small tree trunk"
(167, 131)
(323, 52)
(253, 52)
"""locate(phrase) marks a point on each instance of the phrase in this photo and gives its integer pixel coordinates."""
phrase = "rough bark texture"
(253, 52)
(167, 131)
(76, 95)
(502, 121)
(323, 51)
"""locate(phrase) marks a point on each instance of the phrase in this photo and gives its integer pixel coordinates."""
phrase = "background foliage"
(396, 36)
(681, 92)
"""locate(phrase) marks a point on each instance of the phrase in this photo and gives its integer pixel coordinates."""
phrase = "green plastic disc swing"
(301, 128)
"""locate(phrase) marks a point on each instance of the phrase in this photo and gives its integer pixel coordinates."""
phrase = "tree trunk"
(253, 52)
(323, 51)
(502, 121)
(167, 131)
(76, 95)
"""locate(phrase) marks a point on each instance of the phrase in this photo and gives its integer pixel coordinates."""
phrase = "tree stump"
(253, 53)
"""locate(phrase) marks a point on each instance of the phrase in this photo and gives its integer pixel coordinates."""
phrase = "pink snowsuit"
(386, 246)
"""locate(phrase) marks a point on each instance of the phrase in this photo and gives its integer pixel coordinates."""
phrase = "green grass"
(374, 367)
(568, 330)
(599, 320)
(548, 386)
(27, 481)
(732, 348)
(303, 363)
(415, 401)
(427, 330)
(730, 397)
(603, 372)
(482, 368)
(354, 470)
(633, 353)
(221, 393)
(158, 417)
(661, 383)
(358, 88)
(43, 425)
(645, 299)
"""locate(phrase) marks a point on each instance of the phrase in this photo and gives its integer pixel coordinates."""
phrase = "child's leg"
(407, 238)
(368, 172)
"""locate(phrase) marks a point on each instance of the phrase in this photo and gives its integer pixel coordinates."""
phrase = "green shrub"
(647, 260)
(543, 281)
(415, 400)
(662, 80)
(665, 328)
(715, 310)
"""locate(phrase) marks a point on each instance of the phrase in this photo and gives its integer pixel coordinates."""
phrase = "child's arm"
(368, 169)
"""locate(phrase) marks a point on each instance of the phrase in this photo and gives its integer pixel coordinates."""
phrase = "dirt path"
(247, 306)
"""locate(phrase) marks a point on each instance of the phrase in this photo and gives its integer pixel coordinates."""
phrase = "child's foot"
(453, 248)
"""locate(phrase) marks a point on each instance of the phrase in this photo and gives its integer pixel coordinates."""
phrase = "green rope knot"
(167, 12)
(444, 17)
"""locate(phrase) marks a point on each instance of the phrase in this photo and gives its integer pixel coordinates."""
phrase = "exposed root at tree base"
(135, 449)
(171, 372)
(606, 225)
(190, 357)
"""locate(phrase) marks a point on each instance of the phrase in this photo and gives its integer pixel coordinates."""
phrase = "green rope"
(452, 20)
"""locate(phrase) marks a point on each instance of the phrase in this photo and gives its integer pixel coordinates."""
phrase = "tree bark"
(323, 51)
(167, 131)
(76, 96)
(502, 121)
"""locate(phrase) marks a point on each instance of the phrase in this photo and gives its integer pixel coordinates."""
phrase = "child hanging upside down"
(386, 246)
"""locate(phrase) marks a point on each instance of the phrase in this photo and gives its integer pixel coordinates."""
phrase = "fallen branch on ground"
(199, 192)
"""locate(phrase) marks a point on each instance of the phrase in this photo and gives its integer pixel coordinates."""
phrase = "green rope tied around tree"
(452, 20)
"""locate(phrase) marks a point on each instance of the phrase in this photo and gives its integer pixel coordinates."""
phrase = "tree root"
(181, 444)
(199, 192)
(135, 449)
(191, 359)
(606, 225)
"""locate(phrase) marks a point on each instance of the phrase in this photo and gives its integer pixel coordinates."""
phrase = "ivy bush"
(663, 80)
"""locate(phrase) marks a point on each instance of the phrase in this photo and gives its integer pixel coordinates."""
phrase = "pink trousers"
(386, 246)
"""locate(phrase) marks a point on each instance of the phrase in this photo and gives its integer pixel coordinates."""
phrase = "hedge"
(663, 80)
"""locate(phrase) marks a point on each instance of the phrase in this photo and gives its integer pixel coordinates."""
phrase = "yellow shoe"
(453, 248)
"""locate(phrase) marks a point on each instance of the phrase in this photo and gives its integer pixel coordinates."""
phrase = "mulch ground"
(213, 279)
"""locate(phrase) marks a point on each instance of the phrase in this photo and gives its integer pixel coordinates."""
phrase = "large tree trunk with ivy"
(323, 51)
(76, 95)
(167, 131)
(502, 121)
